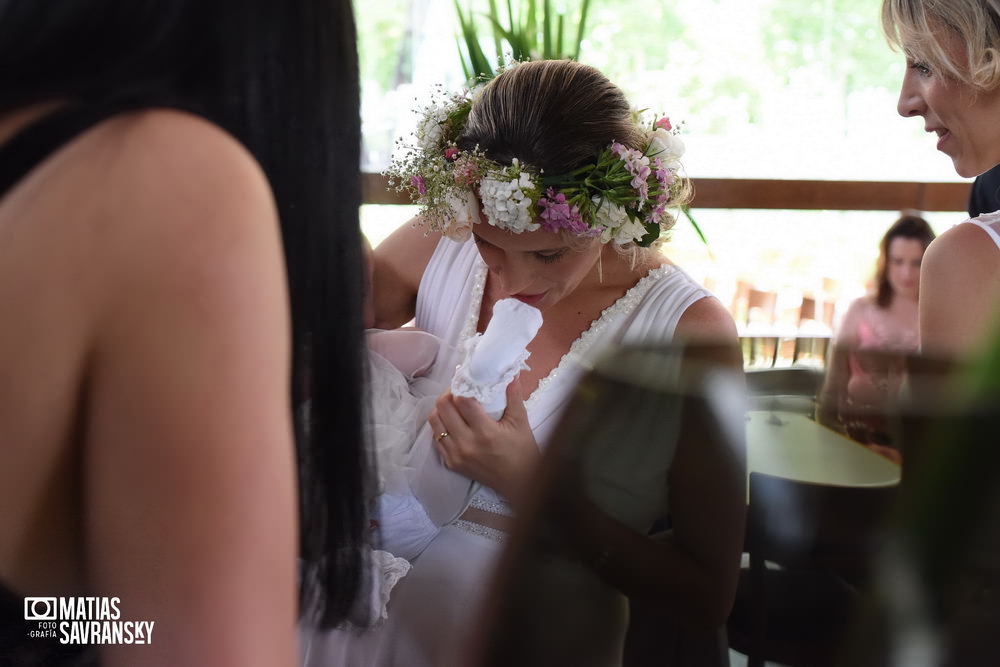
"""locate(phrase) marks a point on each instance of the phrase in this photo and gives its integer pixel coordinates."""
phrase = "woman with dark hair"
(179, 268)
(858, 382)
(545, 187)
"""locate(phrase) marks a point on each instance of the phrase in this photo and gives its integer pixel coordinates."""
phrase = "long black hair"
(282, 77)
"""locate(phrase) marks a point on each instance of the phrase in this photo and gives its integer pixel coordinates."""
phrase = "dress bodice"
(875, 330)
(449, 303)
(451, 294)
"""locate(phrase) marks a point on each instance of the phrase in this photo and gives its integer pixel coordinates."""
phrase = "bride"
(543, 186)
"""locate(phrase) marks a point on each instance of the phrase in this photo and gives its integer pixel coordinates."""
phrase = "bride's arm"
(399, 263)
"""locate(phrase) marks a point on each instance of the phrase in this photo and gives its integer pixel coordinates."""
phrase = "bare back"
(44, 283)
(143, 388)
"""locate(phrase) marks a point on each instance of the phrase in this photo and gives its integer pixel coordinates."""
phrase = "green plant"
(520, 33)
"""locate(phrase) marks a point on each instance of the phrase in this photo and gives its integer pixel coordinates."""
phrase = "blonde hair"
(914, 27)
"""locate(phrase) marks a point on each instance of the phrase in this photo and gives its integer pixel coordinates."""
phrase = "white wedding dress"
(433, 609)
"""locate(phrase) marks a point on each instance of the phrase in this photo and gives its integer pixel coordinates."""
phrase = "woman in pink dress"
(860, 381)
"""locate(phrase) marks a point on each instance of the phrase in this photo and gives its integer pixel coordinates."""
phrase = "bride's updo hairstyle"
(555, 115)
(916, 26)
(546, 144)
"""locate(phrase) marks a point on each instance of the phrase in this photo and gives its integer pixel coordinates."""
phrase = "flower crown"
(621, 196)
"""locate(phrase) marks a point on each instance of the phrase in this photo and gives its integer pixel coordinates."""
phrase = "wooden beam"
(778, 194)
(375, 190)
(829, 195)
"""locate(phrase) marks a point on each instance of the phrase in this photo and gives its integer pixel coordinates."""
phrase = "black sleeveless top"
(31, 643)
(46, 135)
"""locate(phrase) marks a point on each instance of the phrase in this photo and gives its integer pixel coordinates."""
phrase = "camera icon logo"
(40, 609)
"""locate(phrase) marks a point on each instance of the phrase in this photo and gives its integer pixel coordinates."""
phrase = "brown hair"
(556, 116)
(910, 225)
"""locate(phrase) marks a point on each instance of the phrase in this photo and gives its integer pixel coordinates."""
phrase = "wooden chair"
(810, 548)
(753, 305)
(762, 307)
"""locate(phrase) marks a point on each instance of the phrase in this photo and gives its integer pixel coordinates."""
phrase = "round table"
(792, 445)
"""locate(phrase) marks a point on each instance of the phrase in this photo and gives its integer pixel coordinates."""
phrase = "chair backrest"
(762, 306)
(817, 526)
(551, 602)
(792, 388)
(797, 380)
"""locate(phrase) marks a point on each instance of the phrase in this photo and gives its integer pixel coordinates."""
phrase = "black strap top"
(25, 150)
(26, 643)
(46, 135)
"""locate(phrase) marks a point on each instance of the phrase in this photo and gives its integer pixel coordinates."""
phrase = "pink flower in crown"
(558, 214)
(464, 213)
(450, 153)
(417, 181)
(636, 164)
(663, 124)
(465, 172)
(656, 215)
(640, 176)
(665, 178)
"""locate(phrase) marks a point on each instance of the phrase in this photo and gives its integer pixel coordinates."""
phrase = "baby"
(403, 390)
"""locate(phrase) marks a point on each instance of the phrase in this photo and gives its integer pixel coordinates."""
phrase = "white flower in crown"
(431, 128)
(465, 208)
(610, 217)
(630, 230)
(667, 146)
(507, 199)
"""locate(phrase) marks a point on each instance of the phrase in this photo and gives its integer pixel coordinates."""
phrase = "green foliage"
(838, 39)
(383, 43)
(519, 32)
(983, 378)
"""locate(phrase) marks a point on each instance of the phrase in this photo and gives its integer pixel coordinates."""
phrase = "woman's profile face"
(903, 266)
(539, 268)
(966, 121)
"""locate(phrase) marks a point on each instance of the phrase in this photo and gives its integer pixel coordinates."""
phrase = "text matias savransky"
(85, 620)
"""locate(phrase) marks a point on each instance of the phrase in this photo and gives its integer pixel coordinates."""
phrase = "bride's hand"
(499, 454)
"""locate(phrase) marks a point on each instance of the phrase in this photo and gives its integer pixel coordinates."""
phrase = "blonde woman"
(952, 81)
